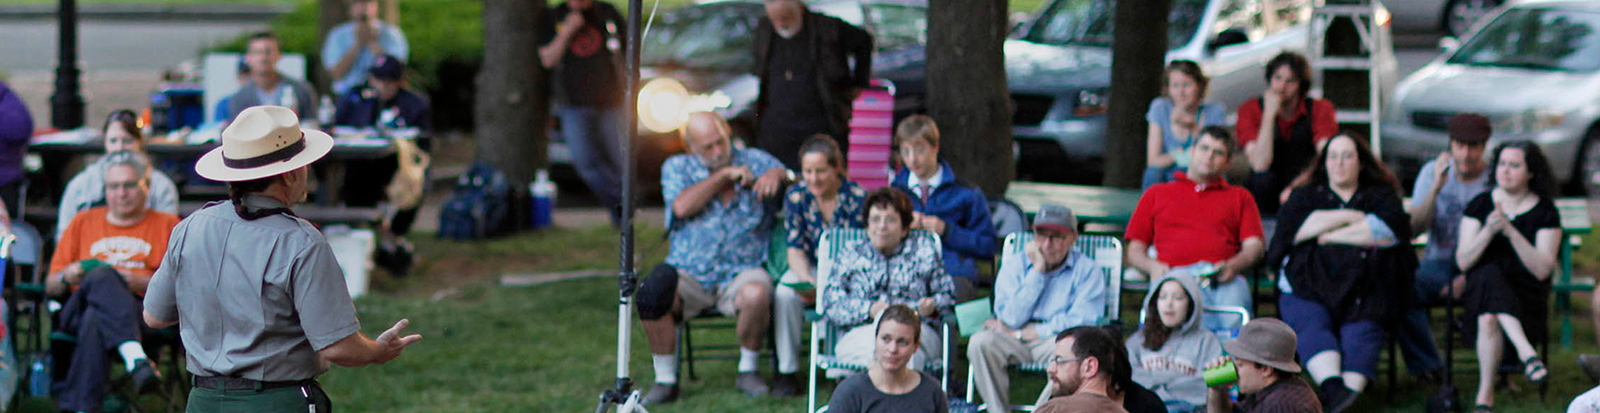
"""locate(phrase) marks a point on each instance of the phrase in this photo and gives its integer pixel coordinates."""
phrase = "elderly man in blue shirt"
(718, 224)
(1046, 289)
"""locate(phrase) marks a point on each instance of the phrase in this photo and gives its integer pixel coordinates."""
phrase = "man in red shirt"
(102, 265)
(1200, 225)
(1280, 150)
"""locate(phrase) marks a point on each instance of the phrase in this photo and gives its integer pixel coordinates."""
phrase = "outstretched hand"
(392, 343)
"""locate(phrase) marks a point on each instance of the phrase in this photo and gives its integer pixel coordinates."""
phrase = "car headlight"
(663, 105)
(1533, 121)
(1091, 102)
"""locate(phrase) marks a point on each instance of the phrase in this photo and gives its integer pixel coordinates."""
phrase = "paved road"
(114, 45)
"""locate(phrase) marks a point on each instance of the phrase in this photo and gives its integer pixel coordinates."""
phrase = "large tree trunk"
(513, 94)
(1138, 52)
(967, 93)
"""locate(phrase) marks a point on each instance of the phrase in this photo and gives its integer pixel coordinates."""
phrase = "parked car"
(699, 58)
(1534, 70)
(1454, 18)
(1060, 72)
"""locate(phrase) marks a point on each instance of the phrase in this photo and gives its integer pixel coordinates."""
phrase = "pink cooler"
(872, 136)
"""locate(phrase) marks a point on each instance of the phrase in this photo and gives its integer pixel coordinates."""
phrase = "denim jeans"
(1415, 338)
(594, 137)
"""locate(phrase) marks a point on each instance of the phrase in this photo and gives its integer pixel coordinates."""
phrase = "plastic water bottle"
(544, 198)
(325, 111)
(39, 379)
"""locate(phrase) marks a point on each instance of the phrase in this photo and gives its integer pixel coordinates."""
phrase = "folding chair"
(825, 335)
(777, 263)
(1106, 252)
(24, 292)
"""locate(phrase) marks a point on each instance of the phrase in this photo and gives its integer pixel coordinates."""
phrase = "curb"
(256, 12)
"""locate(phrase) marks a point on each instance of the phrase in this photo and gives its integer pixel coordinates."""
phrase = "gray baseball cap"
(1056, 217)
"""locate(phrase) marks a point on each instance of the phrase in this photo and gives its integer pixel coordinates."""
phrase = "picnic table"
(57, 149)
(1115, 206)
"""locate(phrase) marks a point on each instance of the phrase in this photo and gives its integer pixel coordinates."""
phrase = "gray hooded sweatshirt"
(1173, 372)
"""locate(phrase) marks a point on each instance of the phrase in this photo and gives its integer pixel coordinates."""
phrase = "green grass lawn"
(488, 348)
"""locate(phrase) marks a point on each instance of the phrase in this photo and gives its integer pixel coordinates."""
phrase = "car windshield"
(716, 36)
(1088, 23)
(1536, 38)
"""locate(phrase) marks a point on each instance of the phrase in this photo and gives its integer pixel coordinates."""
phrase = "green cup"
(1225, 374)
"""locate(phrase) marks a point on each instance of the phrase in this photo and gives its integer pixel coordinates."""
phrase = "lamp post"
(66, 105)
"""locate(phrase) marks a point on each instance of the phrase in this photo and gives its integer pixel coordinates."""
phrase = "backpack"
(479, 206)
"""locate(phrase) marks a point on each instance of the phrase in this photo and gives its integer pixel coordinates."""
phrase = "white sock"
(131, 352)
(666, 368)
(1354, 381)
(1323, 366)
(747, 360)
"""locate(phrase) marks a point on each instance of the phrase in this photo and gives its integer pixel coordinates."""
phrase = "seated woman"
(1176, 119)
(1344, 272)
(890, 385)
(891, 268)
(1168, 351)
(1509, 240)
(822, 200)
(87, 188)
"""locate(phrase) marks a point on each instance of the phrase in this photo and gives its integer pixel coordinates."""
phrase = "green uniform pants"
(280, 400)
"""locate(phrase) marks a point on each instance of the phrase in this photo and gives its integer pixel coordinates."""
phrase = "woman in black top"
(890, 386)
(1346, 269)
(1509, 241)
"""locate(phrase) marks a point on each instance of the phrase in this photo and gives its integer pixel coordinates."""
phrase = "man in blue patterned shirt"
(718, 224)
(1046, 289)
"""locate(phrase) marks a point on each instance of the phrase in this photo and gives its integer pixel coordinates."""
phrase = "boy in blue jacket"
(957, 212)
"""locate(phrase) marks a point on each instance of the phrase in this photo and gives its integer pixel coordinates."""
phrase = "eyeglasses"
(1050, 236)
(1058, 360)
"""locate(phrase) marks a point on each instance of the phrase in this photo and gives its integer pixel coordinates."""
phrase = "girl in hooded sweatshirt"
(1170, 349)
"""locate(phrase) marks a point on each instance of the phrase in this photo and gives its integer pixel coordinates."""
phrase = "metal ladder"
(1335, 27)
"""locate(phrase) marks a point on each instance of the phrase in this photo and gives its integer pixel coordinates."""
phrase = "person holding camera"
(353, 48)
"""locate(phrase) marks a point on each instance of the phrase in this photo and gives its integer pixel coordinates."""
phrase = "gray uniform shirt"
(1447, 210)
(253, 299)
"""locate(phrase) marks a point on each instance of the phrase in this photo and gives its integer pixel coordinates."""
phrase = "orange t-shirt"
(135, 250)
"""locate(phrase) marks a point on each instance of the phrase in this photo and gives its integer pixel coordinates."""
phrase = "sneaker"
(145, 377)
(661, 393)
(751, 384)
(1591, 366)
(785, 385)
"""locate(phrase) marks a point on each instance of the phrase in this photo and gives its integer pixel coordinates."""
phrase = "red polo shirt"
(1188, 223)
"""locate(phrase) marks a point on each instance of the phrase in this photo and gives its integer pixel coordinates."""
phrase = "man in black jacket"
(804, 60)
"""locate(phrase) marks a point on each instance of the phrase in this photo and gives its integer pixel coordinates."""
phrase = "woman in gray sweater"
(1168, 351)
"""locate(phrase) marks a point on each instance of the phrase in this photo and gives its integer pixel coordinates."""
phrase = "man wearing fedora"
(262, 300)
(1042, 290)
(1269, 378)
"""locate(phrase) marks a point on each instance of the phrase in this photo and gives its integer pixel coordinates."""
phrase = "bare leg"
(1594, 313)
(755, 312)
(662, 333)
(1489, 345)
(1519, 338)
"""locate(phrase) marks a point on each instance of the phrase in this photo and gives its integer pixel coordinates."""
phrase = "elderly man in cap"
(1269, 378)
(262, 300)
(1443, 188)
(1042, 290)
(717, 223)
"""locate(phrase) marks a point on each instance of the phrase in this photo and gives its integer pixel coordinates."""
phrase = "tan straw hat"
(263, 141)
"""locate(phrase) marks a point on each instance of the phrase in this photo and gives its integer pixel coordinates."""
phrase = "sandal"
(1483, 408)
(1535, 367)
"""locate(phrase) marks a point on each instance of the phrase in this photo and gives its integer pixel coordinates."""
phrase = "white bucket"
(353, 249)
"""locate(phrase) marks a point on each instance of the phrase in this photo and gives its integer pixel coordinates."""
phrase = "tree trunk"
(513, 94)
(1138, 53)
(967, 94)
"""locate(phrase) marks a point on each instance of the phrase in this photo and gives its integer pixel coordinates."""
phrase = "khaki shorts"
(697, 300)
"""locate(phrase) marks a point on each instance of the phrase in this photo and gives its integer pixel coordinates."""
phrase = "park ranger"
(259, 299)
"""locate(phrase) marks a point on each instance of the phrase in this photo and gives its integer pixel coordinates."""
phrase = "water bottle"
(544, 198)
(39, 378)
(325, 111)
(289, 100)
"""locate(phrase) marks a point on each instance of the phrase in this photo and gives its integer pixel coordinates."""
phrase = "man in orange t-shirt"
(103, 263)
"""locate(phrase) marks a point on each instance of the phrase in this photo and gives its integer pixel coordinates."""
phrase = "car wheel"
(1587, 175)
(1460, 15)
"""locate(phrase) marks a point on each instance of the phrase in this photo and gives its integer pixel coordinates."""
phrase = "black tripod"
(622, 394)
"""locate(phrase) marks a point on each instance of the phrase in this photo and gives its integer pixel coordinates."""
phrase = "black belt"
(237, 383)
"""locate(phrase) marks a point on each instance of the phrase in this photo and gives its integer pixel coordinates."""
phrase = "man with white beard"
(807, 79)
